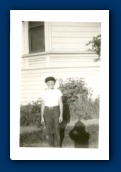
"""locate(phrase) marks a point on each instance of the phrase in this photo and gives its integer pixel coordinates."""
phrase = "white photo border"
(23, 153)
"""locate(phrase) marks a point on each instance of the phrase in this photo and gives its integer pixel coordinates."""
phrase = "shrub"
(73, 89)
(79, 99)
(76, 100)
(30, 114)
(86, 109)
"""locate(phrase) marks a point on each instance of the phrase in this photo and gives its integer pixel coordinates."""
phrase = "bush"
(79, 99)
(87, 109)
(76, 100)
(74, 88)
(30, 114)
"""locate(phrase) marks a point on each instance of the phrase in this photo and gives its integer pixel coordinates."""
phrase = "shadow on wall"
(79, 135)
(66, 119)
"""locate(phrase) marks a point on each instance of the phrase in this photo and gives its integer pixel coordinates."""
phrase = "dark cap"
(50, 78)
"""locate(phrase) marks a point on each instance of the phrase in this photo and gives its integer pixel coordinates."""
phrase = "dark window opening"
(36, 37)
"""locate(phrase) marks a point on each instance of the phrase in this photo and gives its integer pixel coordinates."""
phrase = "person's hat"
(50, 78)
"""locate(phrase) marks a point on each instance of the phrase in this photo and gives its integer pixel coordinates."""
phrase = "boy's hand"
(60, 119)
(42, 121)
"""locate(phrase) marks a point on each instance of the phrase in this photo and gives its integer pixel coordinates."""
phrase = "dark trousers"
(51, 118)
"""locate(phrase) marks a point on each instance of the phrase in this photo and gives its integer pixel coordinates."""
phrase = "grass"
(32, 139)
(92, 127)
(32, 136)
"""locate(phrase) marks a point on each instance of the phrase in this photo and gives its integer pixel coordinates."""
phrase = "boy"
(51, 112)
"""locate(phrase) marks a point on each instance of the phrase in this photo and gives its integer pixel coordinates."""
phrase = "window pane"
(36, 39)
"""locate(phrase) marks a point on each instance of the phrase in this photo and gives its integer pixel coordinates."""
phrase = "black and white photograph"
(60, 84)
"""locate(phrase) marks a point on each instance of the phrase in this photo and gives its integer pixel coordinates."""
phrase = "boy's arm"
(42, 110)
(61, 109)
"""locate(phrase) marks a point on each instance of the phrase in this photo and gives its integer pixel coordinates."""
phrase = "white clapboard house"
(58, 48)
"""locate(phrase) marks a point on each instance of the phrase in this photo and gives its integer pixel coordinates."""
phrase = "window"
(36, 37)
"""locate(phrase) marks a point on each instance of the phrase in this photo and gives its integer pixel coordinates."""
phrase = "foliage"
(96, 45)
(93, 131)
(79, 99)
(76, 100)
(86, 109)
(30, 114)
(73, 89)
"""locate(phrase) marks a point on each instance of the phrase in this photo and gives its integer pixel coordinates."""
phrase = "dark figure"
(79, 135)
(66, 119)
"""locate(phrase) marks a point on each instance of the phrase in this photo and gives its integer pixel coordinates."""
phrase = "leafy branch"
(96, 46)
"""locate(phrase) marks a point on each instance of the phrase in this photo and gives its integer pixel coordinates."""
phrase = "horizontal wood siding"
(37, 61)
(58, 60)
(32, 82)
(72, 60)
(73, 36)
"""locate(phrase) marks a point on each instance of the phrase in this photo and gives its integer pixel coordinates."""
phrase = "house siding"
(32, 82)
(66, 56)
(73, 36)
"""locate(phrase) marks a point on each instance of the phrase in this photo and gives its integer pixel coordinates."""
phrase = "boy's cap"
(50, 78)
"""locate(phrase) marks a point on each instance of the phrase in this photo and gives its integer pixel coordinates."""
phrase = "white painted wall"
(72, 36)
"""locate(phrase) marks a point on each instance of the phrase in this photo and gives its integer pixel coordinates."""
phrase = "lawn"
(32, 136)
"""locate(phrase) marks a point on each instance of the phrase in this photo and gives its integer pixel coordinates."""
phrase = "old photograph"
(60, 84)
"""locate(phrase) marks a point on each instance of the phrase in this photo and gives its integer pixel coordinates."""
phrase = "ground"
(32, 136)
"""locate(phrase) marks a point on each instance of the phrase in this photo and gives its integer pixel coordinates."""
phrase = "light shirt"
(51, 97)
